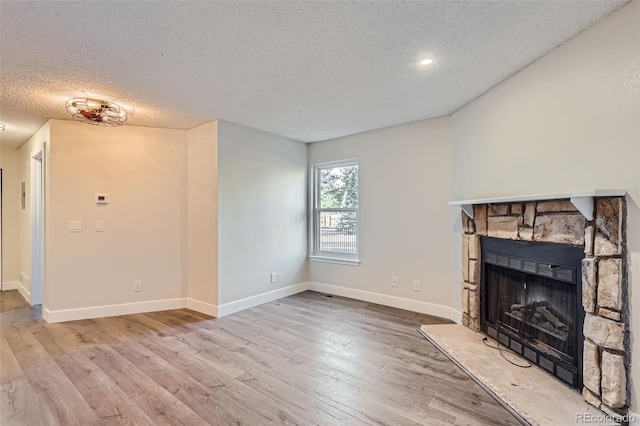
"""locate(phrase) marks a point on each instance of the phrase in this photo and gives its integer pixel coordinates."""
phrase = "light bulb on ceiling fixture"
(2, 127)
(424, 62)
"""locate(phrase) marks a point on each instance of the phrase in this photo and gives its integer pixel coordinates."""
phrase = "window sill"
(337, 260)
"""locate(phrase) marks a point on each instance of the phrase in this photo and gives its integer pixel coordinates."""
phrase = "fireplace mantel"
(582, 200)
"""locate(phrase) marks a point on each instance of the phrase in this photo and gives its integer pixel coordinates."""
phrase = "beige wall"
(202, 197)
(262, 212)
(161, 226)
(405, 174)
(570, 121)
(10, 210)
(144, 170)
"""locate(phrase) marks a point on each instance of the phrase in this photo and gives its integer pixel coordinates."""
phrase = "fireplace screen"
(531, 305)
(539, 310)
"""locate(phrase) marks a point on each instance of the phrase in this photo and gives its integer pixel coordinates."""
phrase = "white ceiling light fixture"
(96, 112)
(2, 127)
(424, 62)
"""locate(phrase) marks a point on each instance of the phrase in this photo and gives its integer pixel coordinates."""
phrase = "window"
(335, 212)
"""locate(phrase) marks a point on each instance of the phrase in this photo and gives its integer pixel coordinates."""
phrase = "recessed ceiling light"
(2, 127)
(425, 62)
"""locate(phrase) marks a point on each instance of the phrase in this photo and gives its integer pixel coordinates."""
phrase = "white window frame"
(314, 233)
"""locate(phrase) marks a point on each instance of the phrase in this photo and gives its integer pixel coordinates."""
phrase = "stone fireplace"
(533, 306)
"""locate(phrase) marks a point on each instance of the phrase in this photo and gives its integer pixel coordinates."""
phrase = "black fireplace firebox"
(531, 302)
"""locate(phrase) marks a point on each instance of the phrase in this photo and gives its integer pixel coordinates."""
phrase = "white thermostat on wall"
(102, 198)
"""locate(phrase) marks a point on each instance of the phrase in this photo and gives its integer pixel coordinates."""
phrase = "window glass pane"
(338, 232)
(339, 187)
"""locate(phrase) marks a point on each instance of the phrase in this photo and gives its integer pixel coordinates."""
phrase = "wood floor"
(306, 359)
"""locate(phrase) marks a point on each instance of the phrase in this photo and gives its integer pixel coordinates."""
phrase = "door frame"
(1, 252)
(37, 226)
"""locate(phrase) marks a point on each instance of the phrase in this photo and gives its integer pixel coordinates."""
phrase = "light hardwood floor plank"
(308, 359)
(19, 404)
(156, 402)
(104, 396)
(213, 373)
(222, 404)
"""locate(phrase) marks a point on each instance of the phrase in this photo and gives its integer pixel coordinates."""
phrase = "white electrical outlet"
(137, 286)
(416, 285)
(274, 277)
(75, 226)
(394, 281)
(99, 225)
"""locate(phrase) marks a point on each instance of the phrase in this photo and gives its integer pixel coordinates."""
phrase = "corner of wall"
(262, 193)
(202, 218)
(405, 219)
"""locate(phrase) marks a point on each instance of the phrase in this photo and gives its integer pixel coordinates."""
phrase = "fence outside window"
(338, 232)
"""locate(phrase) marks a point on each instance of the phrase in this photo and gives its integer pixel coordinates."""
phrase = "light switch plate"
(75, 226)
(99, 225)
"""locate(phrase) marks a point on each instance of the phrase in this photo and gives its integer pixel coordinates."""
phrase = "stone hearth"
(604, 279)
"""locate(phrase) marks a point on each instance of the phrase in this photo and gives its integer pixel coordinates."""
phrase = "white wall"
(570, 121)
(404, 174)
(144, 170)
(262, 185)
(10, 213)
(202, 252)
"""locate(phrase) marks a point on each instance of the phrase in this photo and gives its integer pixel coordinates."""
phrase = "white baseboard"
(249, 302)
(26, 294)
(455, 316)
(112, 310)
(270, 296)
(384, 299)
(202, 307)
(10, 285)
(163, 305)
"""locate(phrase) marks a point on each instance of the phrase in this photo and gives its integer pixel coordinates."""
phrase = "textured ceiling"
(306, 70)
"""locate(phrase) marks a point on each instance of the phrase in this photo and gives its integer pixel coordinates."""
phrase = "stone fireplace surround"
(606, 356)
